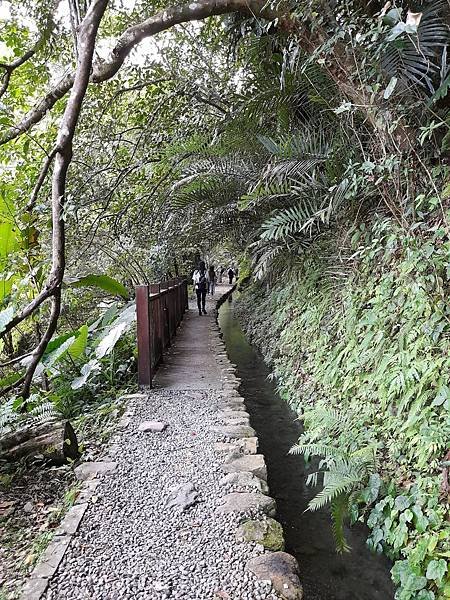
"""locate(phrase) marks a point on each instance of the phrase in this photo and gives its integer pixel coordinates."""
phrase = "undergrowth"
(365, 359)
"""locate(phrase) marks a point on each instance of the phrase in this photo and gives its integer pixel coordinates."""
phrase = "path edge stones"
(280, 567)
(36, 584)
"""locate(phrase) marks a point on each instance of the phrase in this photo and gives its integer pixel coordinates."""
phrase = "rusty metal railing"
(159, 310)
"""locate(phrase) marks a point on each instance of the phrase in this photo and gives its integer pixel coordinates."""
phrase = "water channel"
(358, 575)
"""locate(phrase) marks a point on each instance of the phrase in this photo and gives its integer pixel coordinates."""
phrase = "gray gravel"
(130, 545)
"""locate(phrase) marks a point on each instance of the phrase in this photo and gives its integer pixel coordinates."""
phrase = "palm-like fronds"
(416, 57)
(315, 208)
(339, 512)
(10, 419)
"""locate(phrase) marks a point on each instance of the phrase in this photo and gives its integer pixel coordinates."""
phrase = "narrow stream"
(359, 575)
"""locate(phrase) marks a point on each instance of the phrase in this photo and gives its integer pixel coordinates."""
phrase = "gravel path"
(130, 544)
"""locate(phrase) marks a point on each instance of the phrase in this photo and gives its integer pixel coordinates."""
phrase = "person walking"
(212, 280)
(200, 279)
(230, 275)
(219, 274)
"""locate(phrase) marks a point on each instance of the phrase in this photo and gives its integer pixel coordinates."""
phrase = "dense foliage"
(361, 357)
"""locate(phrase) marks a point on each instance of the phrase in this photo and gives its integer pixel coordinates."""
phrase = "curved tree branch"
(63, 156)
(162, 21)
(11, 67)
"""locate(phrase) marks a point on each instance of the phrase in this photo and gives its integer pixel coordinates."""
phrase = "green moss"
(268, 533)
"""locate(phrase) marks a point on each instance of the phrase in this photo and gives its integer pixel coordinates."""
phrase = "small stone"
(235, 431)
(89, 470)
(267, 532)
(246, 502)
(245, 480)
(253, 463)
(182, 496)
(248, 445)
(236, 421)
(152, 426)
(28, 507)
(282, 570)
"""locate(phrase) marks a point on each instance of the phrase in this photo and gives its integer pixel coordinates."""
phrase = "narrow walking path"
(135, 540)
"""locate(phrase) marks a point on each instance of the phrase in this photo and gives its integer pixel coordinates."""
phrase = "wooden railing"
(159, 309)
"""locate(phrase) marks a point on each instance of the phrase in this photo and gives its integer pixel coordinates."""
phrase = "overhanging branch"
(131, 37)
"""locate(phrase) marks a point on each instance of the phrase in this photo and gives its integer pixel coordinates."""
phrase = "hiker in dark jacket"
(230, 275)
(200, 279)
(212, 280)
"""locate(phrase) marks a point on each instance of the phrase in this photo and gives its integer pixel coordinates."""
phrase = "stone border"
(243, 467)
(90, 473)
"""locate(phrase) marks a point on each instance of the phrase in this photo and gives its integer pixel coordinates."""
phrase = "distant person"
(230, 275)
(200, 279)
(219, 274)
(212, 280)
(236, 273)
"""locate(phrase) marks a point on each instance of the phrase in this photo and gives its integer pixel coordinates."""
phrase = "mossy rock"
(267, 532)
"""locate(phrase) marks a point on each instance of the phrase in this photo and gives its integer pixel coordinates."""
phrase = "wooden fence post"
(143, 336)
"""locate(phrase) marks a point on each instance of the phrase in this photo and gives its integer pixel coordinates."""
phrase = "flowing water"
(358, 575)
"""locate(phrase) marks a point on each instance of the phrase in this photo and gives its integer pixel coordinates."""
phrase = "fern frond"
(339, 512)
(335, 483)
(309, 450)
(43, 412)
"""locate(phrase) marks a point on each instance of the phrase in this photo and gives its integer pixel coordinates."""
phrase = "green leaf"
(57, 342)
(390, 88)
(10, 379)
(436, 570)
(104, 282)
(5, 317)
(393, 16)
(402, 503)
(57, 354)
(370, 493)
(78, 347)
(110, 340)
(425, 595)
(441, 396)
(86, 370)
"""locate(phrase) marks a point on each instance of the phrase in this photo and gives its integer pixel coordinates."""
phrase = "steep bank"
(361, 351)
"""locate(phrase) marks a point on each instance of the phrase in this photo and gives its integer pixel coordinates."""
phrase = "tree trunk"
(55, 440)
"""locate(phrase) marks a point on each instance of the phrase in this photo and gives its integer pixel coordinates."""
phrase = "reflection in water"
(326, 575)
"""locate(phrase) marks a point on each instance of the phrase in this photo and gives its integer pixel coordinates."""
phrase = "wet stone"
(282, 570)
